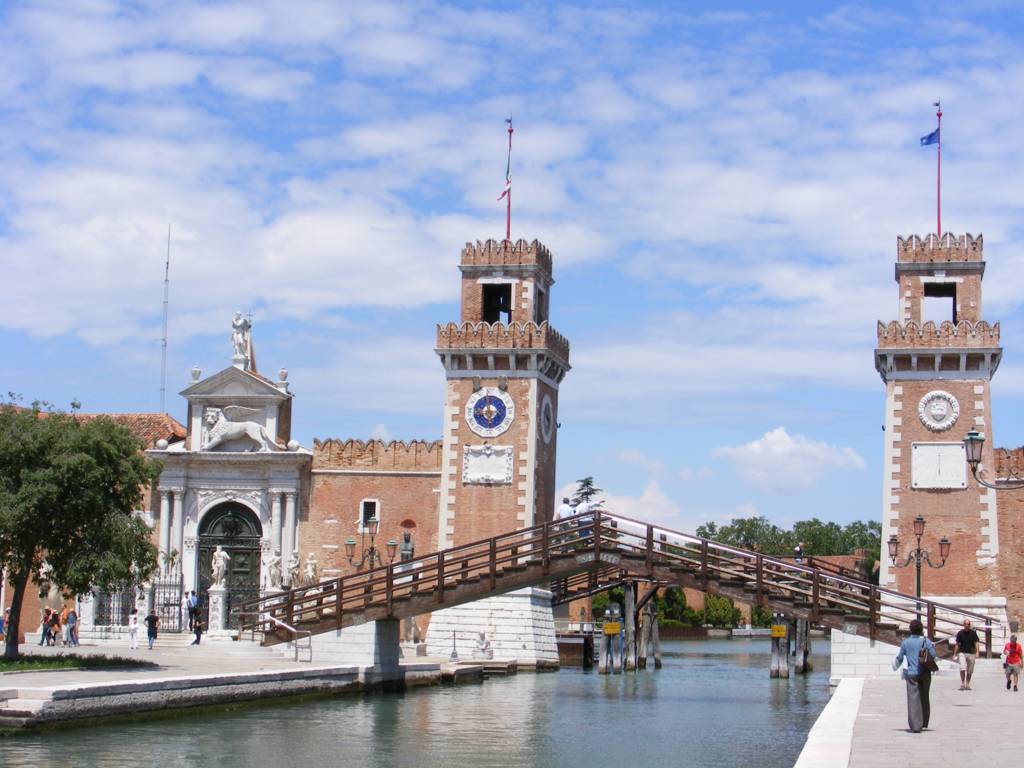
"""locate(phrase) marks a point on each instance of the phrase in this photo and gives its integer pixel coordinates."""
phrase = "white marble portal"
(519, 626)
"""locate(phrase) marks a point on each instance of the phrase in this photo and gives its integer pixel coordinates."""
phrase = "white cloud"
(779, 462)
(380, 432)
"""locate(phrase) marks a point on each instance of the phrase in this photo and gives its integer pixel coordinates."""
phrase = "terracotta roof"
(148, 426)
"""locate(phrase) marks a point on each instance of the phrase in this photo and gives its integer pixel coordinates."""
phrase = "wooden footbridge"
(588, 554)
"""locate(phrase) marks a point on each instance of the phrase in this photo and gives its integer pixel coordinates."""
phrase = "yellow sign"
(778, 630)
(612, 627)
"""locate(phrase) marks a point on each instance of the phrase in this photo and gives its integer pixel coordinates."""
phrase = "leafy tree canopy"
(68, 488)
(585, 490)
(818, 537)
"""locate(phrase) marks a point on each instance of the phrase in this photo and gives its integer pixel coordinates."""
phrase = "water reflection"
(712, 705)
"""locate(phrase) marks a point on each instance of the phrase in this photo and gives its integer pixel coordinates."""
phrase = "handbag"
(925, 661)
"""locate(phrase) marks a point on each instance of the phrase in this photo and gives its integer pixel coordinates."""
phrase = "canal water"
(711, 705)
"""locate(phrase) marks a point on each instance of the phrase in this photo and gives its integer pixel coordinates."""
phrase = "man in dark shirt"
(966, 651)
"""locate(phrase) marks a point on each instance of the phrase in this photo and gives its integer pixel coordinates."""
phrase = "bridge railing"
(821, 591)
(605, 536)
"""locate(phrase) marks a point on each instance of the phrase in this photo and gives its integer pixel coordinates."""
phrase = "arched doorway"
(233, 526)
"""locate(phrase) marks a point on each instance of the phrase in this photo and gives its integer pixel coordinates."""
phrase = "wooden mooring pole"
(645, 636)
(802, 662)
(779, 666)
(629, 652)
(656, 641)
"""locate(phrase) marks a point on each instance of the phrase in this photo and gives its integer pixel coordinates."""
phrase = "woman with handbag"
(919, 652)
(1012, 664)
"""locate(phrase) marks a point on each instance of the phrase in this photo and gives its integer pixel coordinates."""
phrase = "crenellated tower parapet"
(467, 349)
(894, 335)
(506, 253)
(932, 248)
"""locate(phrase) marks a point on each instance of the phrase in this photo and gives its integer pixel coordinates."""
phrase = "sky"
(721, 185)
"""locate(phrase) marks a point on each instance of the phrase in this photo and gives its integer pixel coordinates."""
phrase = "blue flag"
(931, 138)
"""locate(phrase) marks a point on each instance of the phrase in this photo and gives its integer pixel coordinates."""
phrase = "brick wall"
(481, 511)
(1011, 551)
(407, 502)
(958, 514)
(416, 455)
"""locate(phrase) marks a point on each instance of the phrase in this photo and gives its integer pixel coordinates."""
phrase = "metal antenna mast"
(163, 339)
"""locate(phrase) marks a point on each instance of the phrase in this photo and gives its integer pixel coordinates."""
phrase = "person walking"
(917, 675)
(133, 629)
(64, 626)
(1012, 652)
(54, 627)
(5, 620)
(193, 604)
(197, 627)
(965, 651)
(72, 625)
(44, 629)
(152, 622)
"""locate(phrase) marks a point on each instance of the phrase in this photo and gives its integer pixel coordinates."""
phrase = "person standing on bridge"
(917, 676)
(565, 510)
(966, 651)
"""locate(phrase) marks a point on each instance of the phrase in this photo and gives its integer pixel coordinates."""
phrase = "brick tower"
(937, 378)
(503, 364)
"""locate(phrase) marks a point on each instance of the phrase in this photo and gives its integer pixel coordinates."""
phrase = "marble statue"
(293, 569)
(272, 571)
(483, 647)
(219, 569)
(240, 329)
(233, 422)
(309, 576)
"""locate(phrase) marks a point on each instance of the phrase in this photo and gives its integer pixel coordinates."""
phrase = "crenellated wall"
(931, 248)
(500, 336)
(946, 334)
(396, 455)
(507, 253)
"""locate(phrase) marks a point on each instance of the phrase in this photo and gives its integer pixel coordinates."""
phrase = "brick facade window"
(368, 510)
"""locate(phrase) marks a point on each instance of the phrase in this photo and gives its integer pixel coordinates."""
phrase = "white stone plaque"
(938, 465)
(487, 464)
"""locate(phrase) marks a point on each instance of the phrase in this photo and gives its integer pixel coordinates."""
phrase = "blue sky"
(721, 185)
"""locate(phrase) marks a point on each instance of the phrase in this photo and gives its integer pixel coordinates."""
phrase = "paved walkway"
(981, 726)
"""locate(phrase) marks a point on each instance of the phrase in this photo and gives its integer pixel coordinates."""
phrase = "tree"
(720, 611)
(585, 490)
(68, 489)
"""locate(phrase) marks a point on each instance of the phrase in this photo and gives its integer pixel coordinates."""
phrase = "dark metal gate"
(235, 528)
(113, 608)
(168, 592)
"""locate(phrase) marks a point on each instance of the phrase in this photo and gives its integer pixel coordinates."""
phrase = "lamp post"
(974, 442)
(918, 555)
(371, 554)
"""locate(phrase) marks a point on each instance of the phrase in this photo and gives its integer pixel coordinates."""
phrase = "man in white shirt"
(565, 529)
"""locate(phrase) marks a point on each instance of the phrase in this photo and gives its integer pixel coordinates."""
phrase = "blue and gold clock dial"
(489, 411)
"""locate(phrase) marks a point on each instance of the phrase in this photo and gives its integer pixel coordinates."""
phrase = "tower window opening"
(939, 302)
(497, 305)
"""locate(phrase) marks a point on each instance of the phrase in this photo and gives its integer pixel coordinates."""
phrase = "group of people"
(59, 628)
(919, 653)
(152, 622)
(569, 509)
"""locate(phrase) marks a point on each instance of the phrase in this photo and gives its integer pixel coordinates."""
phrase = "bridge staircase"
(588, 554)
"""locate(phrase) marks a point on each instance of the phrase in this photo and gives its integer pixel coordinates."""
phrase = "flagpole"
(938, 175)
(508, 201)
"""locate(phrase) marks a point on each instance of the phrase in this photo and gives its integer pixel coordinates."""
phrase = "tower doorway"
(234, 527)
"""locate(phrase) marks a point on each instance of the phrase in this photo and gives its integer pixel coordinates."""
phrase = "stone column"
(178, 533)
(291, 540)
(218, 616)
(165, 526)
(275, 521)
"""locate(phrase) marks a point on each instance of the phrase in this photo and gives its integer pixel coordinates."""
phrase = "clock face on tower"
(547, 418)
(490, 411)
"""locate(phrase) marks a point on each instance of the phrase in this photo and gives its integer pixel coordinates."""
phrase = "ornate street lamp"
(973, 444)
(917, 556)
(370, 554)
